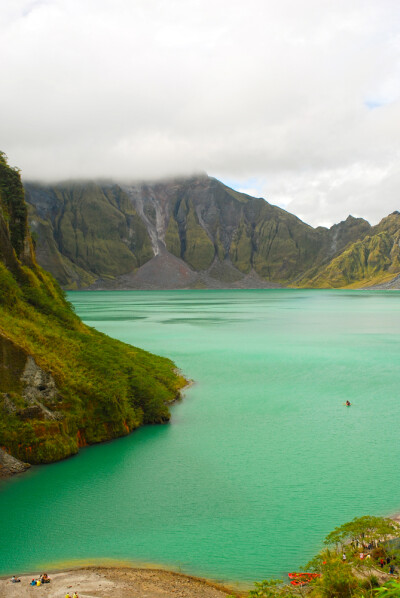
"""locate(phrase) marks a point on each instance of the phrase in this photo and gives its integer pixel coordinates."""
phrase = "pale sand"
(115, 582)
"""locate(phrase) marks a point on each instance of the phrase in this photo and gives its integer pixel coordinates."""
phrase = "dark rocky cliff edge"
(62, 385)
(197, 233)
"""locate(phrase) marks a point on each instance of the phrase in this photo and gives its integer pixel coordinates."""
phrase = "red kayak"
(300, 579)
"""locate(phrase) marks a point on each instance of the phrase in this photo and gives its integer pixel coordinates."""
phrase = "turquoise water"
(261, 459)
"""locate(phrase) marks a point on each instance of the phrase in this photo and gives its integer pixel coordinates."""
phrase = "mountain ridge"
(103, 235)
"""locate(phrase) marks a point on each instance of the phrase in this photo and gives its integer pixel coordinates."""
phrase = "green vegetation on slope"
(172, 240)
(104, 388)
(365, 572)
(250, 232)
(241, 248)
(13, 204)
(199, 249)
(373, 259)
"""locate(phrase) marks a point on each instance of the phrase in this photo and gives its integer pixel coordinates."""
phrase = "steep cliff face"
(198, 229)
(373, 260)
(86, 232)
(62, 385)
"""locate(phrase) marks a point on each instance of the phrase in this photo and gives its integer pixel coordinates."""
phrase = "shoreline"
(101, 578)
(120, 581)
(10, 466)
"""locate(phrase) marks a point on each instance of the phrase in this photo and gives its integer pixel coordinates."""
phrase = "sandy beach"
(118, 582)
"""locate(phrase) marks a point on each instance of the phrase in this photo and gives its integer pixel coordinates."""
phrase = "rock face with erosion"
(197, 233)
(31, 392)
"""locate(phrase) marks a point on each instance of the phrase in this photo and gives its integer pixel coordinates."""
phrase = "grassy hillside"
(372, 260)
(62, 385)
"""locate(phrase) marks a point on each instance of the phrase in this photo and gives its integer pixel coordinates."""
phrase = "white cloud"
(300, 96)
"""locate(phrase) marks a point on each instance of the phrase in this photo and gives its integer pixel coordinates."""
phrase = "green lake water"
(261, 458)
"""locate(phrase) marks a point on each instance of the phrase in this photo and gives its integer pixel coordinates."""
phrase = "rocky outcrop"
(34, 391)
(9, 465)
(26, 394)
(39, 390)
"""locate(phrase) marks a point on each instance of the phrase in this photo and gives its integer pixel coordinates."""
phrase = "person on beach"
(75, 595)
(67, 595)
(33, 583)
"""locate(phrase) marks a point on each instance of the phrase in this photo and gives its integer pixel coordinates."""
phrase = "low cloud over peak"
(299, 97)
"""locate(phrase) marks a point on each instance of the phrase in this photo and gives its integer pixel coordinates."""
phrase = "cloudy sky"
(296, 101)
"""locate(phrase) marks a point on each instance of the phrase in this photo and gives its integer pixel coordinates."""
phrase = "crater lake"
(261, 458)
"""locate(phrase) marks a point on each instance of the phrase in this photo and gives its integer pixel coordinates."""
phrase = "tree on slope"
(362, 530)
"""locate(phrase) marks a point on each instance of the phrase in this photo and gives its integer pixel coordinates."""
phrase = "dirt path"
(115, 582)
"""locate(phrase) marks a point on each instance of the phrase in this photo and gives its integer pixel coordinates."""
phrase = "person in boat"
(348, 403)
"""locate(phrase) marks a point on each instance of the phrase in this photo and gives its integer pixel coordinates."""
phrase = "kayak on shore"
(301, 579)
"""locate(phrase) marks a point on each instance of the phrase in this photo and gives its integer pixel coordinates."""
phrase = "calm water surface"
(260, 460)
